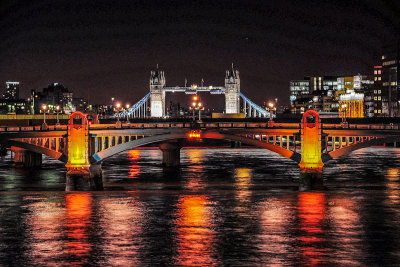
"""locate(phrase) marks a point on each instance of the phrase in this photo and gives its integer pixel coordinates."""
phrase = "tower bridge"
(83, 146)
(235, 100)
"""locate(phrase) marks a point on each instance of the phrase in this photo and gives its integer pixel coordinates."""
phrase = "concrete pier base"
(171, 154)
(25, 158)
(311, 179)
(85, 179)
(236, 144)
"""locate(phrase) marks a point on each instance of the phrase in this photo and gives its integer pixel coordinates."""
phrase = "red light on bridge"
(194, 135)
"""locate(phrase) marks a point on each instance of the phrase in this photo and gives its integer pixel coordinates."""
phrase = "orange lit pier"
(83, 145)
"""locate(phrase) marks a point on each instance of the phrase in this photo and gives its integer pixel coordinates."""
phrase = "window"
(374, 91)
(375, 72)
(379, 78)
(375, 97)
(379, 111)
(379, 72)
(375, 111)
(379, 91)
(379, 98)
(375, 78)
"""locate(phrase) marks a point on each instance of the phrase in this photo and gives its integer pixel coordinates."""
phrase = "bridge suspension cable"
(254, 109)
(138, 110)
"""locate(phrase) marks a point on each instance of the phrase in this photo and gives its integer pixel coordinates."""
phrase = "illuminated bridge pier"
(83, 146)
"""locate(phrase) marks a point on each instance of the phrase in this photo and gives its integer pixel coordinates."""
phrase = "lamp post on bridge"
(270, 108)
(343, 107)
(57, 110)
(127, 115)
(44, 125)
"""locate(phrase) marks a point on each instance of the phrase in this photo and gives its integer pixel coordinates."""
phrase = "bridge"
(235, 101)
(83, 146)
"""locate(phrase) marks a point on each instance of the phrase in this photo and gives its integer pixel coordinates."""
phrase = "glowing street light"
(118, 106)
(271, 107)
(344, 106)
(127, 116)
(57, 110)
(44, 107)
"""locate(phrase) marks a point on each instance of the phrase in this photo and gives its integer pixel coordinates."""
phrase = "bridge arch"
(109, 152)
(348, 149)
(40, 150)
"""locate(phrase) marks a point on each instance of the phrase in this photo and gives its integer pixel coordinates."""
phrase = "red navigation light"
(194, 135)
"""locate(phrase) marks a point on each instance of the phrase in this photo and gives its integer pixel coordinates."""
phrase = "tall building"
(52, 96)
(390, 79)
(12, 91)
(380, 96)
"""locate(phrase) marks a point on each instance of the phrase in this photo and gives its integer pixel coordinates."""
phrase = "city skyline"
(107, 49)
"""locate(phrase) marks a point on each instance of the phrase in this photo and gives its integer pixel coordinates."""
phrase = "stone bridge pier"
(171, 153)
(81, 174)
(311, 164)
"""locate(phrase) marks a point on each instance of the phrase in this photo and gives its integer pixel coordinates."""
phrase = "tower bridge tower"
(232, 89)
(157, 94)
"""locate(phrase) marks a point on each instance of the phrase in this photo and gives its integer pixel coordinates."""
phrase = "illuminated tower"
(157, 94)
(232, 89)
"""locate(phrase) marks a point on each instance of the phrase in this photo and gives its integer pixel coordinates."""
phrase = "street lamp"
(127, 115)
(344, 106)
(118, 106)
(271, 106)
(44, 107)
(57, 110)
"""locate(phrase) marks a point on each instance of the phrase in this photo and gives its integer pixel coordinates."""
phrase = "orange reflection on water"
(311, 211)
(79, 211)
(243, 182)
(345, 223)
(45, 230)
(275, 227)
(134, 167)
(196, 168)
(121, 221)
(195, 236)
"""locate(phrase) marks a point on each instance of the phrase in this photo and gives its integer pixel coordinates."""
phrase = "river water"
(234, 207)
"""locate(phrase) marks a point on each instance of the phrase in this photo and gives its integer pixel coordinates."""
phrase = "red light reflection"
(134, 167)
(79, 210)
(194, 235)
(311, 211)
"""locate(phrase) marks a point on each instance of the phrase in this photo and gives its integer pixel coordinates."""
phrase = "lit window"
(375, 111)
(379, 98)
(379, 111)
(379, 72)
(374, 91)
(379, 78)
(375, 97)
(375, 72)
(379, 91)
(375, 78)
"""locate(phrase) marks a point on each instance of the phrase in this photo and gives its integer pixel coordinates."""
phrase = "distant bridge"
(82, 146)
(153, 103)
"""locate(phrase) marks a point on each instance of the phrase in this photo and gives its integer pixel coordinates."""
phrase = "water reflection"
(242, 183)
(134, 167)
(45, 229)
(276, 224)
(195, 237)
(194, 180)
(311, 208)
(121, 223)
(78, 221)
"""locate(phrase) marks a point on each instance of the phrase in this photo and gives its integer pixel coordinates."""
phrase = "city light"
(118, 105)
(194, 134)
(127, 106)
(195, 98)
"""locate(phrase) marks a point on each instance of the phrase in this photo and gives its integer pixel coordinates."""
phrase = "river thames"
(230, 207)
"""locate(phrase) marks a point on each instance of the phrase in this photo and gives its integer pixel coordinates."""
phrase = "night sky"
(108, 48)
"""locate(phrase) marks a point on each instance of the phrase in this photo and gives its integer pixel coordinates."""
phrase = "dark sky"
(109, 47)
